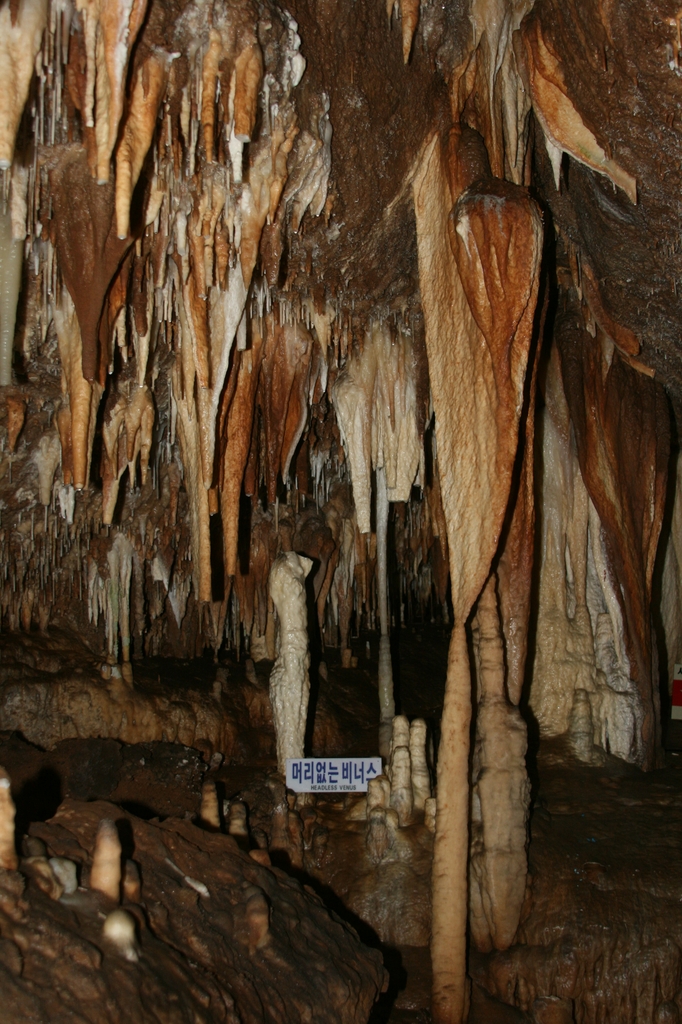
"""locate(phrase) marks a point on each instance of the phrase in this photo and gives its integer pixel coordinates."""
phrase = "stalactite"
(283, 394)
(516, 562)
(117, 606)
(501, 110)
(564, 657)
(564, 128)
(126, 434)
(409, 14)
(89, 251)
(340, 516)
(81, 397)
(21, 31)
(111, 27)
(16, 416)
(47, 458)
(353, 395)
(671, 582)
(137, 133)
(11, 263)
(627, 490)
(235, 443)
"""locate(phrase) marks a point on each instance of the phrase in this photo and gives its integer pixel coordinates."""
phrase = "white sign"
(331, 774)
(676, 710)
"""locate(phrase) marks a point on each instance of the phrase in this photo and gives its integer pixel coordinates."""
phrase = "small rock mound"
(219, 937)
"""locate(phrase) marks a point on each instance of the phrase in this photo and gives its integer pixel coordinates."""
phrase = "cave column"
(478, 275)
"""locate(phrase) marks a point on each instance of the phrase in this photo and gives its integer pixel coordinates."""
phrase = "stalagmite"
(39, 870)
(21, 32)
(302, 312)
(132, 885)
(209, 814)
(65, 872)
(105, 873)
(119, 929)
(289, 682)
(377, 839)
(581, 730)
(258, 920)
(500, 792)
(421, 779)
(8, 853)
(238, 825)
(400, 737)
(479, 300)
(378, 793)
(401, 784)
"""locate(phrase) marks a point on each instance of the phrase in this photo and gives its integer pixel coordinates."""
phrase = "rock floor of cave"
(602, 837)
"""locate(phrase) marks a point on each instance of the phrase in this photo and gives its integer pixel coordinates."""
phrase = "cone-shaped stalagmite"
(501, 791)
(105, 873)
(8, 853)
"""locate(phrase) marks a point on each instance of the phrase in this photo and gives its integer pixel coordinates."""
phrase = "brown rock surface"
(197, 959)
(603, 926)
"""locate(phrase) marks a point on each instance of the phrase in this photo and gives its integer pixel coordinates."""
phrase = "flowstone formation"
(192, 929)
(385, 296)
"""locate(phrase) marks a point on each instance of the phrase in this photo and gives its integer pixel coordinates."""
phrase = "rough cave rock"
(383, 299)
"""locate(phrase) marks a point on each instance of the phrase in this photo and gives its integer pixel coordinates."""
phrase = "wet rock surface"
(51, 690)
(601, 930)
(603, 924)
(219, 937)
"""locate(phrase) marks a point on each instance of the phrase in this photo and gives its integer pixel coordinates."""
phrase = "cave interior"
(340, 375)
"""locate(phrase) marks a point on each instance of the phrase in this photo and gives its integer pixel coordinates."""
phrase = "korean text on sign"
(331, 774)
